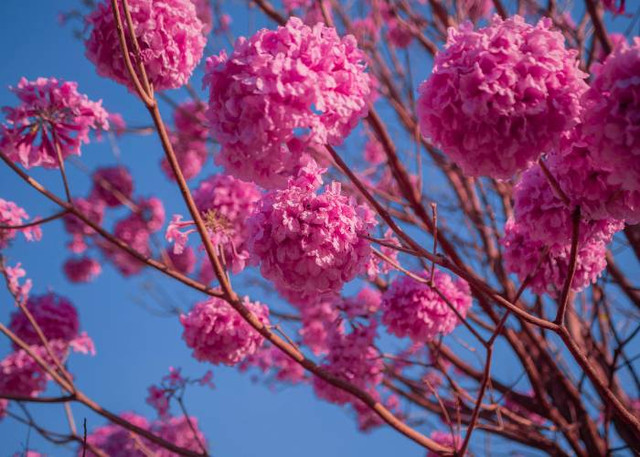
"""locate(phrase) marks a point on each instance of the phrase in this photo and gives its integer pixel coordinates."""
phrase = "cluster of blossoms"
(353, 358)
(114, 440)
(13, 215)
(501, 96)
(271, 361)
(172, 386)
(168, 32)
(281, 95)
(308, 243)
(135, 230)
(224, 203)
(189, 139)
(111, 185)
(445, 439)
(612, 132)
(57, 318)
(52, 118)
(420, 311)
(218, 334)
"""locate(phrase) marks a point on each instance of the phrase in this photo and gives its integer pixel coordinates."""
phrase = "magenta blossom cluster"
(52, 119)
(114, 440)
(12, 215)
(205, 14)
(501, 96)
(93, 210)
(444, 439)
(420, 311)
(272, 362)
(611, 128)
(548, 267)
(189, 139)
(353, 358)
(281, 95)
(218, 334)
(112, 185)
(136, 229)
(81, 269)
(309, 243)
(318, 320)
(55, 315)
(168, 32)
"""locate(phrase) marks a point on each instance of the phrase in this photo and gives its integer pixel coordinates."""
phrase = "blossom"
(589, 183)
(117, 441)
(204, 13)
(352, 358)
(374, 152)
(271, 360)
(13, 215)
(185, 262)
(13, 274)
(368, 418)
(501, 96)
(420, 311)
(55, 112)
(366, 303)
(158, 399)
(168, 32)
(612, 129)
(81, 269)
(55, 315)
(225, 203)
(522, 256)
(308, 243)
(4, 404)
(318, 320)
(189, 139)
(218, 334)
(444, 439)
(93, 210)
(545, 216)
(475, 10)
(112, 185)
(179, 431)
(280, 95)
(21, 375)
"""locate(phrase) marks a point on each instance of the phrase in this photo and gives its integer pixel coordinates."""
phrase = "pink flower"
(92, 210)
(4, 404)
(21, 375)
(612, 128)
(189, 139)
(179, 431)
(112, 185)
(614, 6)
(55, 112)
(353, 358)
(21, 291)
(501, 96)
(374, 152)
(158, 399)
(115, 440)
(225, 203)
(318, 321)
(543, 214)
(13, 215)
(81, 269)
(309, 244)
(522, 255)
(169, 34)
(368, 419)
(117, 123)
(55, 315)
(271, 360)
(589, 183)
(280, 95)
(218, 334)
(444, 439)
(185, 262)
(204, 13)
(365, 304)
(474, 10)
(421, 312)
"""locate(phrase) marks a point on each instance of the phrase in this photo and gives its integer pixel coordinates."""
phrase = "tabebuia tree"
(423, 212)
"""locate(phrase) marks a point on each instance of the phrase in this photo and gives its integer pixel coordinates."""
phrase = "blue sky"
(135, 347)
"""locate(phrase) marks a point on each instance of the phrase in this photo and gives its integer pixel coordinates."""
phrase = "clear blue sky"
(135, 348)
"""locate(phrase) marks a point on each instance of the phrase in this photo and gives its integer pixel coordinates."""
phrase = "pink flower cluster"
(352, 358)
(444, 439)
(114, 440)
(52, 114)
(13, 215)
(93, 210)
(421, 312)
(318, 321)
(523, 255)
(272, 361)
(112, 185)
(218, 334)
(81, 269)
(281, 94)
(135, 230)
(611, 129)
(501, 96)
(169, 34)
(308, 243)
(55, 315)
(189, 139)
